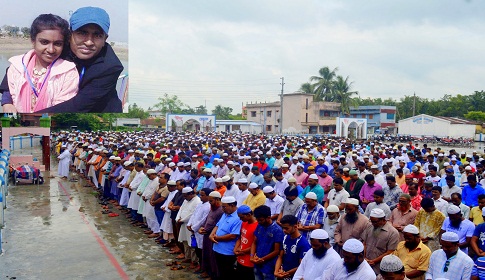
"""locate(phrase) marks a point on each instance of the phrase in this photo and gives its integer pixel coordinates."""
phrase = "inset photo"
(64, 56)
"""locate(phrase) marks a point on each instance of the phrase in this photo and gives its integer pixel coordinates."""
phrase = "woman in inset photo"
(39, 78)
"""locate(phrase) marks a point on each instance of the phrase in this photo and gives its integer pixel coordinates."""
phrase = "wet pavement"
(57, 231)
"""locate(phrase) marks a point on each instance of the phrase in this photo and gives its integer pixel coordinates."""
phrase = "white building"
(241, 126)
(425, 125)
(132, 122)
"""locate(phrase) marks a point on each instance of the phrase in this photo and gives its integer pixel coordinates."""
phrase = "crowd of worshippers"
(260, 207)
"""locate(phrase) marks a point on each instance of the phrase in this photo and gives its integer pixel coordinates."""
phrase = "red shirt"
(416, 202)
(247, 239)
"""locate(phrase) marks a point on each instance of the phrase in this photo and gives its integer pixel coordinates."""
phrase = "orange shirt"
(221, 190)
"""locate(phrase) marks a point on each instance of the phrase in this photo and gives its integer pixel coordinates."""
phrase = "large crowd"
(243, 206)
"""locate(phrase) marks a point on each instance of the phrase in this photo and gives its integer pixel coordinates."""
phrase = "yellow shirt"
(476, 215)
(417, 259)
(429, 224)
(254, 201)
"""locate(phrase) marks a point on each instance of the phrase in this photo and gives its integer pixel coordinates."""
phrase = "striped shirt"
(314, 217)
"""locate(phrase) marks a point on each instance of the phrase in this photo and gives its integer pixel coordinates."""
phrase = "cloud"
(231, 52)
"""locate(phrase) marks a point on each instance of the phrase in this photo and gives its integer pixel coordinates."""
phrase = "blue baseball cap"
(243, 209)
(87, 15)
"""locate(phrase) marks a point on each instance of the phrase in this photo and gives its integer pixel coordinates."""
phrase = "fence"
(21, 142)
(4, 172)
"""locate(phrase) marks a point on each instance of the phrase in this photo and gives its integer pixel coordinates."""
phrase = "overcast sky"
(22, 13)
(230, 52)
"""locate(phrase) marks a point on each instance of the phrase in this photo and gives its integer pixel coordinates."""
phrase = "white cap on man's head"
(353, 246)
(319, 234)
(411, 229)
(311, 195)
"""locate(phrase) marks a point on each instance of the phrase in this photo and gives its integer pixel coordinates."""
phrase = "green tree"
(134, 111)
(170, 104)
(88, 122)
(222, 113)
(476, 116)
(25, 31)
(323, 84)
(306, 88)
(342, 93)
(201, 110)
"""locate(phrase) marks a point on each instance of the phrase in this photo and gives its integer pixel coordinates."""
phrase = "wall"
(424, 125)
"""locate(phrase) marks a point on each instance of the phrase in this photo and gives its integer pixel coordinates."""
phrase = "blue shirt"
(295, 250)
(228, 224)
(257, 179)
(470, 195)
(480, 233)
(270, 162)
(210, 183)
(214, 156)
(267, 237)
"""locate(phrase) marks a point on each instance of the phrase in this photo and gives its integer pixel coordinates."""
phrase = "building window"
(371, 116)
(306, 117)
(268, 113)
(236, 127)
(253, 114)
(354, 115)
(307, 103)
(390, 116)
(268, 128)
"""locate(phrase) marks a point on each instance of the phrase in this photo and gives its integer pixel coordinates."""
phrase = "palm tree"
(323, 86)
(342, 93)
(306, 88)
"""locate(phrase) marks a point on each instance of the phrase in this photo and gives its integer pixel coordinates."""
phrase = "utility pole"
(414, 104)
(281, 101)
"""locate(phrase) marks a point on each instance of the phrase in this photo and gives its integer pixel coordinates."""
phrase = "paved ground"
(57, 231)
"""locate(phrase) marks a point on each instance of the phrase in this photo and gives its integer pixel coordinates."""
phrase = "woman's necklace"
(40, 72)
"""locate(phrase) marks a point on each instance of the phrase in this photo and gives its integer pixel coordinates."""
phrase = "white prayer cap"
(353, 201)
(112, 157)
(167, 159)
(411, 229)
(450, 236)
(319, 234)
(268, 189)
(391, 263)
(346, 169)
(172, 164)
(441, 155)
(187, 190)
(90, 152)
(225, 178)
(215, 194)
(131, 151)
(228, 199)
(374, 167)
(253, 186)
(305, 157)
(468, 168)
(311, 195)
(285, 165)
(333, 209)
(353, 246)
(295, 158)
(208, 170)
(127, 163)
(117, 158)
(170, 182)
(224, 154)
(377, 213)
(243, 181)
(97, 150)
(418, 163)
(268, 153)
(151, 171)
(313, 176)
(291, 180)
(446, 164)
(230, 162)
(453, 209)
(180, 163)
(218, 180)
(187, 164)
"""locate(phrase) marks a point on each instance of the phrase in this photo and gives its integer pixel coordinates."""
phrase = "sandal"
(172, 263)
(113, 215)
(177, 267)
